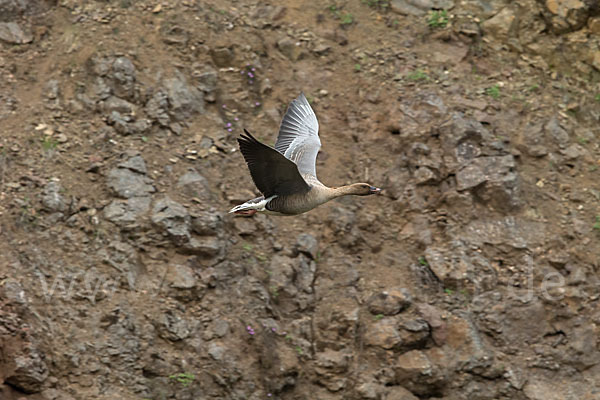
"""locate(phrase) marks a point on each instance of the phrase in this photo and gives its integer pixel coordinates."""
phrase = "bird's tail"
(257, 204)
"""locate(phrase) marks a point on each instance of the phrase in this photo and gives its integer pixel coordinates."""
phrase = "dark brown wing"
(272, 173)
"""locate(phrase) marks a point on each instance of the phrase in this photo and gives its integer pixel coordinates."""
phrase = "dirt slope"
(474, 276)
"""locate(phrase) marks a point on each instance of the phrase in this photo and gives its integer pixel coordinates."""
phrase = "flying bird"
(286, 175)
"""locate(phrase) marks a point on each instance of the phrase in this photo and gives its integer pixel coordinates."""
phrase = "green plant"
(417, 75)
(423, 261)
(347, 19)
(299, 350)
(184, 378)
(379, 4)
(357, 67)
(48, 143)
(493, 91)
(596, 225)
(247, 246)
(582, 140)
(378, 317)
(274, 292)
(597, 98)
(449, 292)
(534, 87)
(437, 19)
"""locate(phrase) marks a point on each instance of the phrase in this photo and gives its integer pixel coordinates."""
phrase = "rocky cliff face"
(475, 276)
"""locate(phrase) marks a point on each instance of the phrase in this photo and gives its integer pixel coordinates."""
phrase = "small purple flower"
(247, 65)
(274, 329)
(224, 106)
(248, 327)
(253, 69)
(257, 104)
(228, 124)
(269, 395)
(236, 119)
(229, 129)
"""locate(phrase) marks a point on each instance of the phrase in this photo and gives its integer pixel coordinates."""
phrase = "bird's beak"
(374, 190)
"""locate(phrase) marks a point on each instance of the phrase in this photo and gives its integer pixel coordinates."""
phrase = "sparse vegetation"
(493, 91)
(596, 225)
(417, 75)
(185, 378)
(357, 67)
(378, 317)
(423, 261)
(597, 98)
(378, 4)
(49, 143)
(347, 19)
(437, 19)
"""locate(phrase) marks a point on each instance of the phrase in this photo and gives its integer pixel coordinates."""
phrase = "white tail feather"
(249, 205)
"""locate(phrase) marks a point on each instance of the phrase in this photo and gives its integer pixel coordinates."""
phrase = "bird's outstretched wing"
(298, 138)
(272, 173)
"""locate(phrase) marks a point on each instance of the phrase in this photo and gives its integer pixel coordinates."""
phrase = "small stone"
(389, 302)
(308, 244)
(11, 32)
(181, 277)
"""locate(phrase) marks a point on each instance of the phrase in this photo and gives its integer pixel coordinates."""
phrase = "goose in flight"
(286, 175)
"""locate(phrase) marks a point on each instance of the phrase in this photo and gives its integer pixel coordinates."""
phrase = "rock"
(216, 351)
(517, 233)
(399, 393)
(53, 199)
(29, 371)
(557, 132)
(419, 7)
(331, 366)
(418, 374)
(435, 319)
(533, 140)
(172, 327)
(127, 212)
(195, 185)
(123, 78)
(307, 244)
(207, 223)
(52, 89)
(157, 108)
(134, 163)
(500, 25)
(11, 9)
(494, 181)
(124, 257)
(11, 32)
(127, 125)
(206, 246)
(384, 334)
(207, 78)
(291, 49)
(369, 390)
(389, 302)
(127, 183)
(181, 277)
(173, 219)
(222, 56)
(119, 105)
(265, 16)
(581, 351)
(566, 15)
(184, 100)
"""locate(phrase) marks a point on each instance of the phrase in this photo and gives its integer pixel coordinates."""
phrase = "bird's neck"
(342, 191)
